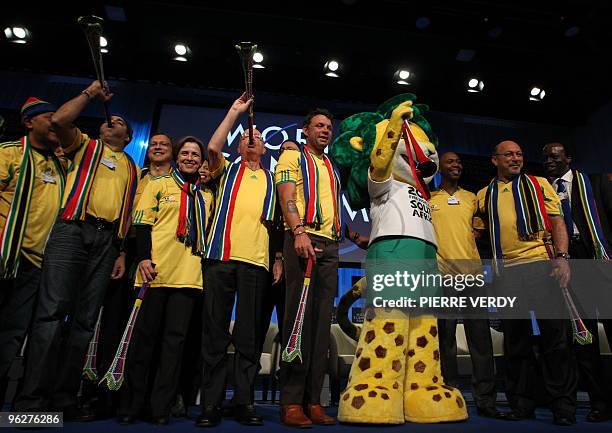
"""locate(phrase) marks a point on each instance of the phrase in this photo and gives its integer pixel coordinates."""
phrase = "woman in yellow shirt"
(170, 233)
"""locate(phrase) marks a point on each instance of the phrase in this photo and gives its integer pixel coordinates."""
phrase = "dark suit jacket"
(602, 191)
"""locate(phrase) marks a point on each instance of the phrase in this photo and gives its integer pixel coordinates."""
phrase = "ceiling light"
(572, 31)
(537, 94)
(422, 23)
(17, 35)
(258, 59)
(182, 52)
(103, 45)
(332, 68)
(402, 76)
(475, 85)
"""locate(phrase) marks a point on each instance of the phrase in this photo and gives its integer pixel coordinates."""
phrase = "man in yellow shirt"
(521, 211)
(453, 213)
(31, 186)
(309, 191)
(120, 293)
(80, 258)
(237, 264)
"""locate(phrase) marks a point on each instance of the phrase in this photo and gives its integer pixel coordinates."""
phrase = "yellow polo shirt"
(249, 237)
(159, 206)
(142, 183)
(44, 204)
(209, 200)
(288, 169)
(515, 250)
(453, 218)
(109, 183)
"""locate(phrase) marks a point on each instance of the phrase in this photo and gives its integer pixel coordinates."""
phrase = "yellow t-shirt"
(209, 200)
(453, 220)
(288, 169)
(515, 250)
(109, 183)
(159, 207)
(249, 237)
(44, 204)
(142, 183)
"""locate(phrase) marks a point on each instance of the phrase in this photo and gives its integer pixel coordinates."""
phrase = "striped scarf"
(531, 216)
(589, 208)
(310, 172)
(14, 229)
(191, 227)
(76, 204)
(219, 246)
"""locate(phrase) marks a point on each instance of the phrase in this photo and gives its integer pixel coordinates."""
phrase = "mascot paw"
(372, 403)
(434, 403)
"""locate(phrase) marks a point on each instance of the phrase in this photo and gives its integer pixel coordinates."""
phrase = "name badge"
(47, 177)
(109, 163)
(453, 200)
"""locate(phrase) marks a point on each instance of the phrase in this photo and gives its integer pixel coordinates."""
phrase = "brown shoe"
(292, 415)
(316, 413)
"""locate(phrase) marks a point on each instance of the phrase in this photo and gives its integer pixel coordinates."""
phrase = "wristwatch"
(565, 256)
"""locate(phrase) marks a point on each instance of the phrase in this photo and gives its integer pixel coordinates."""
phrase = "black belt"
(99, 223)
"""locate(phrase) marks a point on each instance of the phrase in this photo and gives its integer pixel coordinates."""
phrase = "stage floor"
(543, 423)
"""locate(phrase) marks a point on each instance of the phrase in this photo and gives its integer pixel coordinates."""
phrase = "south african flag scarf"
(191, 226)
(531, 216)
(76, 204)
(14, 229)
(310, 173)
(589, 209)
(219, 243)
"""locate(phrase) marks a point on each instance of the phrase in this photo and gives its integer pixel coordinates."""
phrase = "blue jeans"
(77, 265)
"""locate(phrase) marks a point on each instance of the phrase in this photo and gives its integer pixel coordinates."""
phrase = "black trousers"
(302, 382)
(223, 281)
(588, 358)
(274, 297)
(78, 261)
(554, 344)
(163, 320)
(17, 301)
(191, 365)
(478, 337)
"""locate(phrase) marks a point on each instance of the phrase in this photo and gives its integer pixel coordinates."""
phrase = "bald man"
(524, 268)
(236, 265)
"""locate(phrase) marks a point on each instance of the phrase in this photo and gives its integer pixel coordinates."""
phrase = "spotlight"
(17, 35)
(493, 27)
(475, 85)
(537, 94)
(572, 31)
(570, 27)
(332, 68)
(258, 59)
(402, 76)
(182, 52)
(103, 45)
(422, 23)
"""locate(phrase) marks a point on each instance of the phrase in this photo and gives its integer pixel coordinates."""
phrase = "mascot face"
(401, 165)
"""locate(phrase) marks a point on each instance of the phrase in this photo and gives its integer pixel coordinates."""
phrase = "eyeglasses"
(510, 154)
